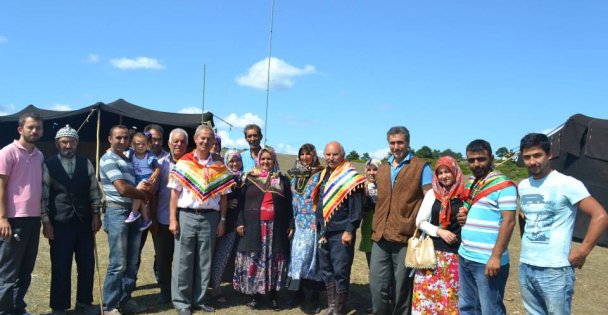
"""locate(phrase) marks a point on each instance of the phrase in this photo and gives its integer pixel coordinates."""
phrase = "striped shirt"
(480, 233)
(112, 167)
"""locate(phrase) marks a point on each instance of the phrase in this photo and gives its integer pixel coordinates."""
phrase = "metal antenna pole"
(268, 73)
(204, 79)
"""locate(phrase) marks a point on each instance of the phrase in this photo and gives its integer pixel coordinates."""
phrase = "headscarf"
(446, 195)
(267, 181)
(302, 173)
(230, 154)
(371, 188)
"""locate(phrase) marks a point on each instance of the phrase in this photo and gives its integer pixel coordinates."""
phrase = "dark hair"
(32, 115)
(117, 127)
(399, 130)
(253, 126)
(155, 127)
(479, 145)
(307, 147)
(535, 140)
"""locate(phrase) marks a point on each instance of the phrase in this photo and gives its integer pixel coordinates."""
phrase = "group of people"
(239, 218)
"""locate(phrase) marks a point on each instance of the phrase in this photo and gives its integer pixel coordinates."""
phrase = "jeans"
(390, 283)
(123, 242)
(546, 290)
(479, 294)
(17, 260)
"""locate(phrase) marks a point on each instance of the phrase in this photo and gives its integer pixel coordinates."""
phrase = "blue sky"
(450, 71)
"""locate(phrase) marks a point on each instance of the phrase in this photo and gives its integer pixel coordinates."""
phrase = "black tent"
(580, 149)
(95, 121)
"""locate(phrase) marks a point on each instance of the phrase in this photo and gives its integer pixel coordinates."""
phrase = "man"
(70, 216)
(253, 135)
(489, 212)
(549, 201)
(20, 196)
(338, 199)
(402, 183)
(198, 196)
(118, 180)
(163, 239)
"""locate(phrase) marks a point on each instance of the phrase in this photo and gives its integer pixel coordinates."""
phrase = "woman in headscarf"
(225, 245)
(303, 267)
(265, 225)
(436, 290)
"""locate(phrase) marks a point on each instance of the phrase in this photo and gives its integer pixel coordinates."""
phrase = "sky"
(450, 71)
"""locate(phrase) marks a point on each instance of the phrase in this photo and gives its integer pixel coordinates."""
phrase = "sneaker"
(133, 216)
(145, 224)
(87, 309)
(131, 307)
(112, 312)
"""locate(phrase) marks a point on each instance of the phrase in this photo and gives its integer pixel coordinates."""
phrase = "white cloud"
(93, 58)
(190, 110)
(7, 109)
(137, 63)
(281, 74)
(3, 39)
(380, 153)
(240, 121)
(229, 142)
(286, 149)
(61, 107)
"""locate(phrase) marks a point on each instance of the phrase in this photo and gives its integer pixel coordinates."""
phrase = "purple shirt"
(24, 186)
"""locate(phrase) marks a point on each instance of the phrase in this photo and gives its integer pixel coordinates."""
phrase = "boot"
(341, 297)
(316, 306)
(331, 299)
(296, 299)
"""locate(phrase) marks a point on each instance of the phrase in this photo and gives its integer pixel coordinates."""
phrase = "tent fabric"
(582, 152)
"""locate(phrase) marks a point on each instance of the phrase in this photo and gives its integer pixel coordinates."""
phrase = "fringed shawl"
(342, 181)
(476, 190)
(203, 181)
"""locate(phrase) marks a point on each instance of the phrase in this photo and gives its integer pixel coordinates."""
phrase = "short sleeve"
(507, 198)
(7, 161)
(152, 162)
(111, 169)
(174, 184)
(427, 175)
(575, 191)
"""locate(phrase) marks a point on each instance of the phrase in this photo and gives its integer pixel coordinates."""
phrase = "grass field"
(589, 297)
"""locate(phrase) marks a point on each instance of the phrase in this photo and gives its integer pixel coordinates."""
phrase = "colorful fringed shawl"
(203, 181)
(342, 181)
(476, 190)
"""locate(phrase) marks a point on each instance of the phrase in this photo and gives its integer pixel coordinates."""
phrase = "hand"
(347, 238)
(174, 227)
(290, 233)
(462, 216)
(47, 230)
(154, 227)
(240, 230)
(221, 228)
(447, 236)
(5, 228)
(233, 203)
(493, 266)
(96, 223)
(577, 258)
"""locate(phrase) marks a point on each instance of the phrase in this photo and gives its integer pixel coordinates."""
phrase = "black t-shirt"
(453, 227)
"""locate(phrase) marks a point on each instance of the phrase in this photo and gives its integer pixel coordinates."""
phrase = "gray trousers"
(389, 282)
(192, 257)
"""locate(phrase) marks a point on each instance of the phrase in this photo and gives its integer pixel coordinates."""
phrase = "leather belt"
(191, 210)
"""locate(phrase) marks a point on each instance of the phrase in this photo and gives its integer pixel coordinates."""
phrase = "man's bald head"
(334, 154)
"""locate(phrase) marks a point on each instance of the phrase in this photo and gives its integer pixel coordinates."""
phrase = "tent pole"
(97, 146)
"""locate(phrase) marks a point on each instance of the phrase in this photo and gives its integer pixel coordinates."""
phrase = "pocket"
(407, 226)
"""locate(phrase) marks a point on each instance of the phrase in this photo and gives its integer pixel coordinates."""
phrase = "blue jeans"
(479, 294)
(123, 243)
(546, 290)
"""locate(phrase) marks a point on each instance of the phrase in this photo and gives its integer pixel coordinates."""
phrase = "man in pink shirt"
(20, 205)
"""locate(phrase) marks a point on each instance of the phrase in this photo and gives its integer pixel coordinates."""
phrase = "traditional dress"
(304, 264)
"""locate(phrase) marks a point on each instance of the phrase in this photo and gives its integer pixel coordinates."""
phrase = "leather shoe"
(253, 304)
(184, 311)
(205, 308)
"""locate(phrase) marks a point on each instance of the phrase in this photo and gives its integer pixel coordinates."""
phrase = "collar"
(407, 159)
(20, 146)
(207, 161)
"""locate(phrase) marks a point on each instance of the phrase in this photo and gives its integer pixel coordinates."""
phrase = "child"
(146, 168)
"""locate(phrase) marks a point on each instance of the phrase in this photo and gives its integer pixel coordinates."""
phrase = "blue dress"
(303, 264)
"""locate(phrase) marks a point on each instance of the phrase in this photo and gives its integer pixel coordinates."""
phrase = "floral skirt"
(259, 272)
(436, 291)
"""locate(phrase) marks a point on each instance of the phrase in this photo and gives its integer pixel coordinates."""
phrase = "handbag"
(420, 252)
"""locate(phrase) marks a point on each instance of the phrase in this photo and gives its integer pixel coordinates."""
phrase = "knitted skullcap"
(67, 131)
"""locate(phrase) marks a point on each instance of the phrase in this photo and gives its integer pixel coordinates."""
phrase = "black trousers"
(336, 260)
(164, 243)
(71, 239)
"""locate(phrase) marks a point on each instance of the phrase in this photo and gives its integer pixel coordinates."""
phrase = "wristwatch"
(223, 219)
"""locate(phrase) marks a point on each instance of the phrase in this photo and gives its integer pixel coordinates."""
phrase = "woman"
(435, 290)
(265, 225)
(225, 245)
(303, 267)
(371, 193)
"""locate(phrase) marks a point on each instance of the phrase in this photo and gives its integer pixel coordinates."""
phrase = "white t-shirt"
(550, 206)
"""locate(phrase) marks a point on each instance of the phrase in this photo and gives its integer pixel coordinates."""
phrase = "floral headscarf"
(443, 194)
(371, 188)
(230, 154)
(300, 174)
(267, 181)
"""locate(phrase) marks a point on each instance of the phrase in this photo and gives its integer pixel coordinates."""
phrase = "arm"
(152, 179)
(95, 197)
(504, 236)
(173, 223)
(125, 189)
(424, 214)
(597, 227)
(221, 226)
(426, 180)
(47, 227)
(5, 226)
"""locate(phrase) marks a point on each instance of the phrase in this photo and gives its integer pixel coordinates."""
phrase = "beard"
(31, 138)
(67, 154)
